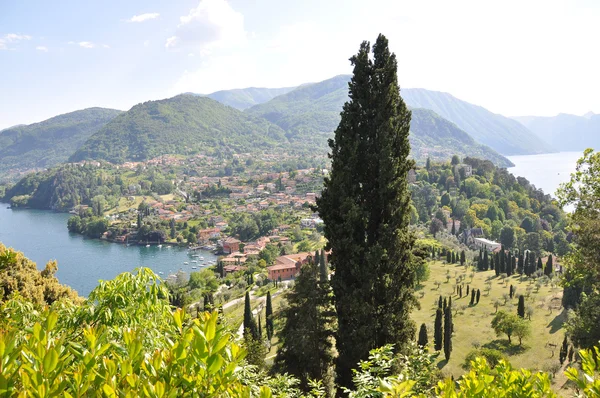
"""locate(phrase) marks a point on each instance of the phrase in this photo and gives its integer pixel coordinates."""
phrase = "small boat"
(168, 247)
(147, 245)
(201, 258)
(160, 273)
(185, 263)
(194, 267)
(194, 261)
(159, 246)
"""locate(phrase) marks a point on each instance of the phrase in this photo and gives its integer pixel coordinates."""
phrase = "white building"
(483, 243)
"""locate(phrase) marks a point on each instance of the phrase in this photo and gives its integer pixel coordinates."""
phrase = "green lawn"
(472, 324)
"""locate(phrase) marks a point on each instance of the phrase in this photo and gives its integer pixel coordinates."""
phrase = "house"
(470, 234)
(204, 235)
(412, 176)
(230, 269)
(486, 244)
(221, 225)
(231, 245)
(467, 170)
(287, 267)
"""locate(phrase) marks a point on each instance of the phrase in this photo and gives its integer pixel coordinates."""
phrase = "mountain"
(564, 131)
(314, 111)
(244, 98)
(45, 144)
(185, 124)
(502, 134)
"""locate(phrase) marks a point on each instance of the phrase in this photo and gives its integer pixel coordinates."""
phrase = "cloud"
(42, 49)
(213, 24)
(89, 44)
(144, 17)
(12, 38)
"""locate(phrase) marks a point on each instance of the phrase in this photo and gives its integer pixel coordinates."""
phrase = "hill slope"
(502, 134)
(312, 112)
(244, 98)
(185, 124)
(45, 144)
(564, 131)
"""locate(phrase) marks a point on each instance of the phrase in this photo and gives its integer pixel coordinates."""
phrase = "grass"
(472, 325)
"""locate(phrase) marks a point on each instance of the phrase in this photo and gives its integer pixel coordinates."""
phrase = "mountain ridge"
(566, 131)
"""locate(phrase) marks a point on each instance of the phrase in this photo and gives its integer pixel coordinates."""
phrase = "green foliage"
(587, 379)
(492, 357)
(184, 124)
(48, 143)
(246, 97)
(511, 325)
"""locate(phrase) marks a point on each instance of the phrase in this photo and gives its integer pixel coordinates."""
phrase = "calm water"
(546, 171)
(42, 236)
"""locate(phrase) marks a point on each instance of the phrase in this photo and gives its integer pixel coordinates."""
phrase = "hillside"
(45, 144)
(185, 124)
(312, 112)
(244, 98)
(564, 131)
(502, 134)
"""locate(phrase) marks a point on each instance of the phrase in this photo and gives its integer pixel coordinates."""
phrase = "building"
(231, 245)
(230, 269)
(287, 267)
(486, 244)
(467, 170)
(469, 235)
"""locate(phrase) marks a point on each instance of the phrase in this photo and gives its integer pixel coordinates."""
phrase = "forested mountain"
(313, 111)
(185, 124)
(45, 144)
(502, 134)
(244, 98)
(564, 131)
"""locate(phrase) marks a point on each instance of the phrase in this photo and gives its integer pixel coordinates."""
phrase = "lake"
(546, 171)
(42, 236)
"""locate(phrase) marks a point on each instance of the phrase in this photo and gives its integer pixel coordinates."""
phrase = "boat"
(159, 246)
(201, 258)
(168, 247)
(160, 272)
(147, 245)
(194, 261)
(194, 267)
(185, 263)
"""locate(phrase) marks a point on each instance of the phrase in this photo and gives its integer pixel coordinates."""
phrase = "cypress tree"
(540, 265)
(453, 231)
(445, 304)
(438, 331)
(477, 296)
(521, 307)
(564, 351)
(521, 269)
(365, 206)
(440, 302)
(472, 297)
(323, 269)
(462, 258)
(448, 257)
(571, 352)
(423, 336)
(467, 290)
(448, 327)
(548, 270)
(249, 322)
(486, 260)
(449, 302)
(269, 316)
(259, 327)
(510, 291)
(492, 265)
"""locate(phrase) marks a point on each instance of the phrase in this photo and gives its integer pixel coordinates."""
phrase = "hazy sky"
(523, 57)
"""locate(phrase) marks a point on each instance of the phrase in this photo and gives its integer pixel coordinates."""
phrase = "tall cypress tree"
(462, 258)
(249, 322)
(269, 316)
(477, 296)
(423, 340)
(548, 270)
(448, 327)
(438, 330)
(540, 264)
(521, 307)
(365, 206)
(521, 264)
(440, 301)
(324, 271)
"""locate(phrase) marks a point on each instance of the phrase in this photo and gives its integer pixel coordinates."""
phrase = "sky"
(513, 57)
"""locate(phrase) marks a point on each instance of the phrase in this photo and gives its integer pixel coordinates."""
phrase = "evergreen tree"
(486, 261)
(540, 265)
(445, 304)
(306, 338)
(477, 296)
(467, 290)
(365, 206)
(510, 291)
(269, 316)
(472, 297)
(571, 352)
(249, 322)
(448, 257)
(453, 231)
(423, 336)
(323, 269)
(492, 265)
(438, 330)
(521, 307)
(564, 351)
(549, 266)
(260, 335)
(462, 258)
(448, 328)
(440, 303)
(521, 268)
(428, 164)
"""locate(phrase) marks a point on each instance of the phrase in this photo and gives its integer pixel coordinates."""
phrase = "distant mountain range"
(48, 143)
(564, 131)
(244, 98)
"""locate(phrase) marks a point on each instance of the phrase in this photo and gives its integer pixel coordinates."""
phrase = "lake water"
(42, 236)
(546, 171)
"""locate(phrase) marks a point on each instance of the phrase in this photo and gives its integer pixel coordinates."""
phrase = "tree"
(477, 296)
(507, 237)
(423, 341)
(365, 206)
(448, 328)
(306, 338)
(564, 351)
(438, 330)
(521, 307)
(522, 329)
(435, 226)
(472, 297)
(509, 324)
(549, 266)
(249, 322)
(462, 258)
(269, 316)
